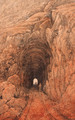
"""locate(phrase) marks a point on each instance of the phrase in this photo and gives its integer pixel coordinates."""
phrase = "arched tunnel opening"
(34, 61)
(35, 81)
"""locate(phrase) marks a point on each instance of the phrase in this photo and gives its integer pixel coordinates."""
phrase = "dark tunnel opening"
(34, 61)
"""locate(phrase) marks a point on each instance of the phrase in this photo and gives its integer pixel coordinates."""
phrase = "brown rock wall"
(43, 46)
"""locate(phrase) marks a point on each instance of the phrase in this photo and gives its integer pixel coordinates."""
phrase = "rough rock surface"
(37, 39)
(15, 80)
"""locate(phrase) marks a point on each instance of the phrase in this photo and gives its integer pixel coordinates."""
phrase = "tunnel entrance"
(35, 58)
(35, 82)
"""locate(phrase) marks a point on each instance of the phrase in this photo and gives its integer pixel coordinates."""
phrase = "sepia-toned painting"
(37, 59)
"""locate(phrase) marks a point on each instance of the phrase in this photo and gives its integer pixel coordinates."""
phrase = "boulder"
(9, 92)
(15, 80)
(4, 109)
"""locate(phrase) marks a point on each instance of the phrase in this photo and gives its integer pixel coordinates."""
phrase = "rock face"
(12, 100)
(14, 80)
(37, 41)
(22, 10)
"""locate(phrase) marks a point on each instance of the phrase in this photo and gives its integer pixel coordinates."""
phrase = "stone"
(10, 114)
(15, 80)
(13, 69)
(9, 92)
(10, 103)
(2, 87)
(14, 104)
(4, 109)
(13, 112)
(2, 102)
(48, 35)
(67, 102)
(19, 102)
(25, 10)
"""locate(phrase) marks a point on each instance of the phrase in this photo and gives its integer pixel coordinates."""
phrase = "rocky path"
(39, 108)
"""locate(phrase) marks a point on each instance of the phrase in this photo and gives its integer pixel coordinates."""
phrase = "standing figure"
(40, 87)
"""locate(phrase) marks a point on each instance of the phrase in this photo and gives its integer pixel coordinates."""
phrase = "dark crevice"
(35, 58)
(0, 97)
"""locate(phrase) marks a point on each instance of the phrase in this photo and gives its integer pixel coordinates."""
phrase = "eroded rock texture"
(37, 40)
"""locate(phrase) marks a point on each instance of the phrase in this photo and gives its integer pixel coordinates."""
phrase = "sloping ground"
(41, 46)
(39, 108)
